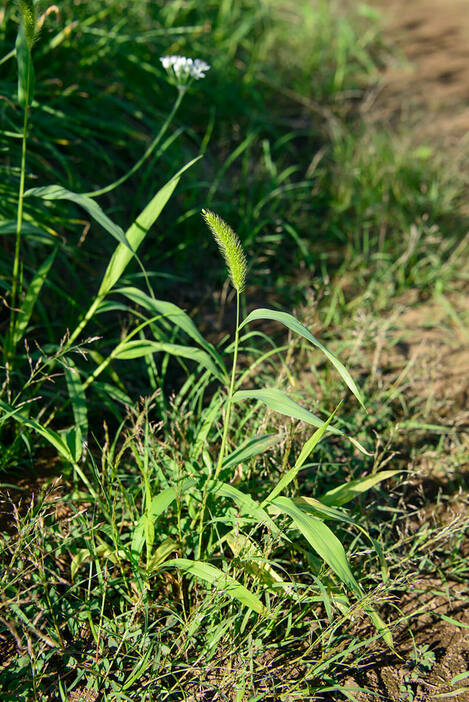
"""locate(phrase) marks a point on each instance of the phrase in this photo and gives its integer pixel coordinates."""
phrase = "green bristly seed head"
(28, 11)
(230, 247)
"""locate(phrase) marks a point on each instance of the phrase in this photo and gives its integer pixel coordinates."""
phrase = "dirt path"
(433, 36)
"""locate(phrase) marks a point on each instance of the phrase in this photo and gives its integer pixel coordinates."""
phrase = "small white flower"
(182, 70)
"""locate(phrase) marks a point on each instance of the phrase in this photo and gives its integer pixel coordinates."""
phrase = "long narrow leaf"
(25, 70)
(291, 474)
(316, 508)
(78, 400)
(51, 436)
(175, 315)
(289, 321)
(57, 192)
(246, 504)
(206, 423)
(143, 347)
(251, 447)
(322, 539)
(342, 494)
(137, 232)
(280, 402)
(222, 581)
(159, 504)
(252, 559)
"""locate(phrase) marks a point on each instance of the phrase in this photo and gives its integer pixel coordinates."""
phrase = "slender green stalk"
(226, 427)
(115, 352)
(92, 309)
(148, 152)
(229, 401)
(15, 283)
(8, 56)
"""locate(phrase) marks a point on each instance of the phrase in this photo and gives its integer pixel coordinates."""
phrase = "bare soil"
(430, 80)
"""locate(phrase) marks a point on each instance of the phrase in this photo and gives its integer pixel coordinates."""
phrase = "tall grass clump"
(186, 542)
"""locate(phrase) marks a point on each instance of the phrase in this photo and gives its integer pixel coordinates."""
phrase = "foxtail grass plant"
(206, 536)
(235, 259)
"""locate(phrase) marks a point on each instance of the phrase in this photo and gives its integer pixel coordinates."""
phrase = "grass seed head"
(230, 247)
(28, 11)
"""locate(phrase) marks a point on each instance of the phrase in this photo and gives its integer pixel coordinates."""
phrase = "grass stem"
(146, 155)
(15, 283)
(229, 401)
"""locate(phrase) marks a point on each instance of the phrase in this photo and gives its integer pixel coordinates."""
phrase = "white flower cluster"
(184, 69)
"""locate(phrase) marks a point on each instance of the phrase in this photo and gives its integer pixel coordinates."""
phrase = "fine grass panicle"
(230, 247)
(28, 11)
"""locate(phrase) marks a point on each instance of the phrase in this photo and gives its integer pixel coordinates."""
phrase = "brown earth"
(432, 84)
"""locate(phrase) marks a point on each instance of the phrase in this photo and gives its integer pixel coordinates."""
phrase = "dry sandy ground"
(433, 36)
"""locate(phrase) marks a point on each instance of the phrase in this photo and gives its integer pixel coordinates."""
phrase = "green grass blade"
(78, 400)
(291, 474)
(222, 581)
(159, 504)
(381, 627)
(206, 423)
(51, 436)
(316, 508)
(137, 232)
(143, 347)
(175, 314)
(281, 403)
(252, 559)
(342, 494)
(289, 321)
(251, 447)
(56, 192)
(27, 229)
(25, 70)
(322, 539)
(31, 296)
(245, 503)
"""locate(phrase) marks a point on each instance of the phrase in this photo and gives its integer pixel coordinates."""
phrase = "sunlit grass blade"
(280, 402)
(78, 399)
(252, 559)
(291, 474)
(291, 323)
(124, 252)
(173, 314)
(220, 580)
(246, 504)
(25, 70)
(57, 192)
(323, 541)
(159, 504)
(138, 230)
(51, 436)
(342, 494)
(250, 448)
(143, 347)
(315, 507)
(207, 420)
